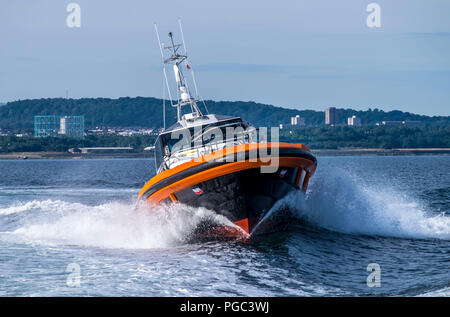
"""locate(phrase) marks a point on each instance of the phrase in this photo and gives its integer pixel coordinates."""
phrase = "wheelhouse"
(187, 140)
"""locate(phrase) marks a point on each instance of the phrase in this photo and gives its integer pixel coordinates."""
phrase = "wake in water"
(342, 203)
(337, 202)
(445, 292)
(111, 225)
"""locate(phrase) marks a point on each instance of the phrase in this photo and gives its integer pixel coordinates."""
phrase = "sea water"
(72, 228)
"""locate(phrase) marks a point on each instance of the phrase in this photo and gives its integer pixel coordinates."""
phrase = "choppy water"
(393, 211)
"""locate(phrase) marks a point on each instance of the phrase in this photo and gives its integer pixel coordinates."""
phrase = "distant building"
(53, 126)
(297, 120)
(413, 124)
(72, 126)
(354, 121)
(122, 131)
(86, 150)
(331, 116)
(95, 131)
(45, 126)
(74, 150)
(390, 123)
(409, 124)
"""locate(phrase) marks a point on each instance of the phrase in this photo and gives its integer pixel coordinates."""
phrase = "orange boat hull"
(235, 182)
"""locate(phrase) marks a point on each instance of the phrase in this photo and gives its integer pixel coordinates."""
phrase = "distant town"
(131, 125)
(332, 119)
(73, 126)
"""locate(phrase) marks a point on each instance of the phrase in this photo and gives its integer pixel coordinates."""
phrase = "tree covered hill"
(147, 112)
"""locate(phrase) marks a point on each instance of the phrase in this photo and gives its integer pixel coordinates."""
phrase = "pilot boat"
(221, 162)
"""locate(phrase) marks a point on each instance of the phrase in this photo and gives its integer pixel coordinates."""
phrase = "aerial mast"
(183, 94)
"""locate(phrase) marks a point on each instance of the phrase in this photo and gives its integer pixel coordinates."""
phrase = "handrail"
(207, 149)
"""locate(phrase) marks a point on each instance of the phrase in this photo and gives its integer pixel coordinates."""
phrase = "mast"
(176, 59)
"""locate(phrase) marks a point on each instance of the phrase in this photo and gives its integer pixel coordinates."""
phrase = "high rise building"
(354, 121)
(297, 120)
(71, 126)
(331, 116)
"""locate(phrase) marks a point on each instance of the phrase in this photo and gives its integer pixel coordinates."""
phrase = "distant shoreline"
(66, 155)
(322, 152)
(382, 152)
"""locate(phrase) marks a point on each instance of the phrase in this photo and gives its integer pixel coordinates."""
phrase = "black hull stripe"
(292, 152)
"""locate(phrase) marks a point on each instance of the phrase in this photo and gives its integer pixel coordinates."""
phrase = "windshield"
(199, 136)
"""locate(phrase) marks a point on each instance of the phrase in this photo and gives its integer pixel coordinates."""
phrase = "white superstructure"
(195, 134)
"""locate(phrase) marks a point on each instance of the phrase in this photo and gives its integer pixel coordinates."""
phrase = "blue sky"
(296, 54)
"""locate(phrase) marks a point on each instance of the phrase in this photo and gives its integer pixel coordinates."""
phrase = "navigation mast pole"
(165, 80)
(183, 94)
(190, 67)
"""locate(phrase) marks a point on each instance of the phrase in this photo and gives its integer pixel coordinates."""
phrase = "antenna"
(183, 92)
(164, 65)
(189, 67)
(164, 103)
(182, 36)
